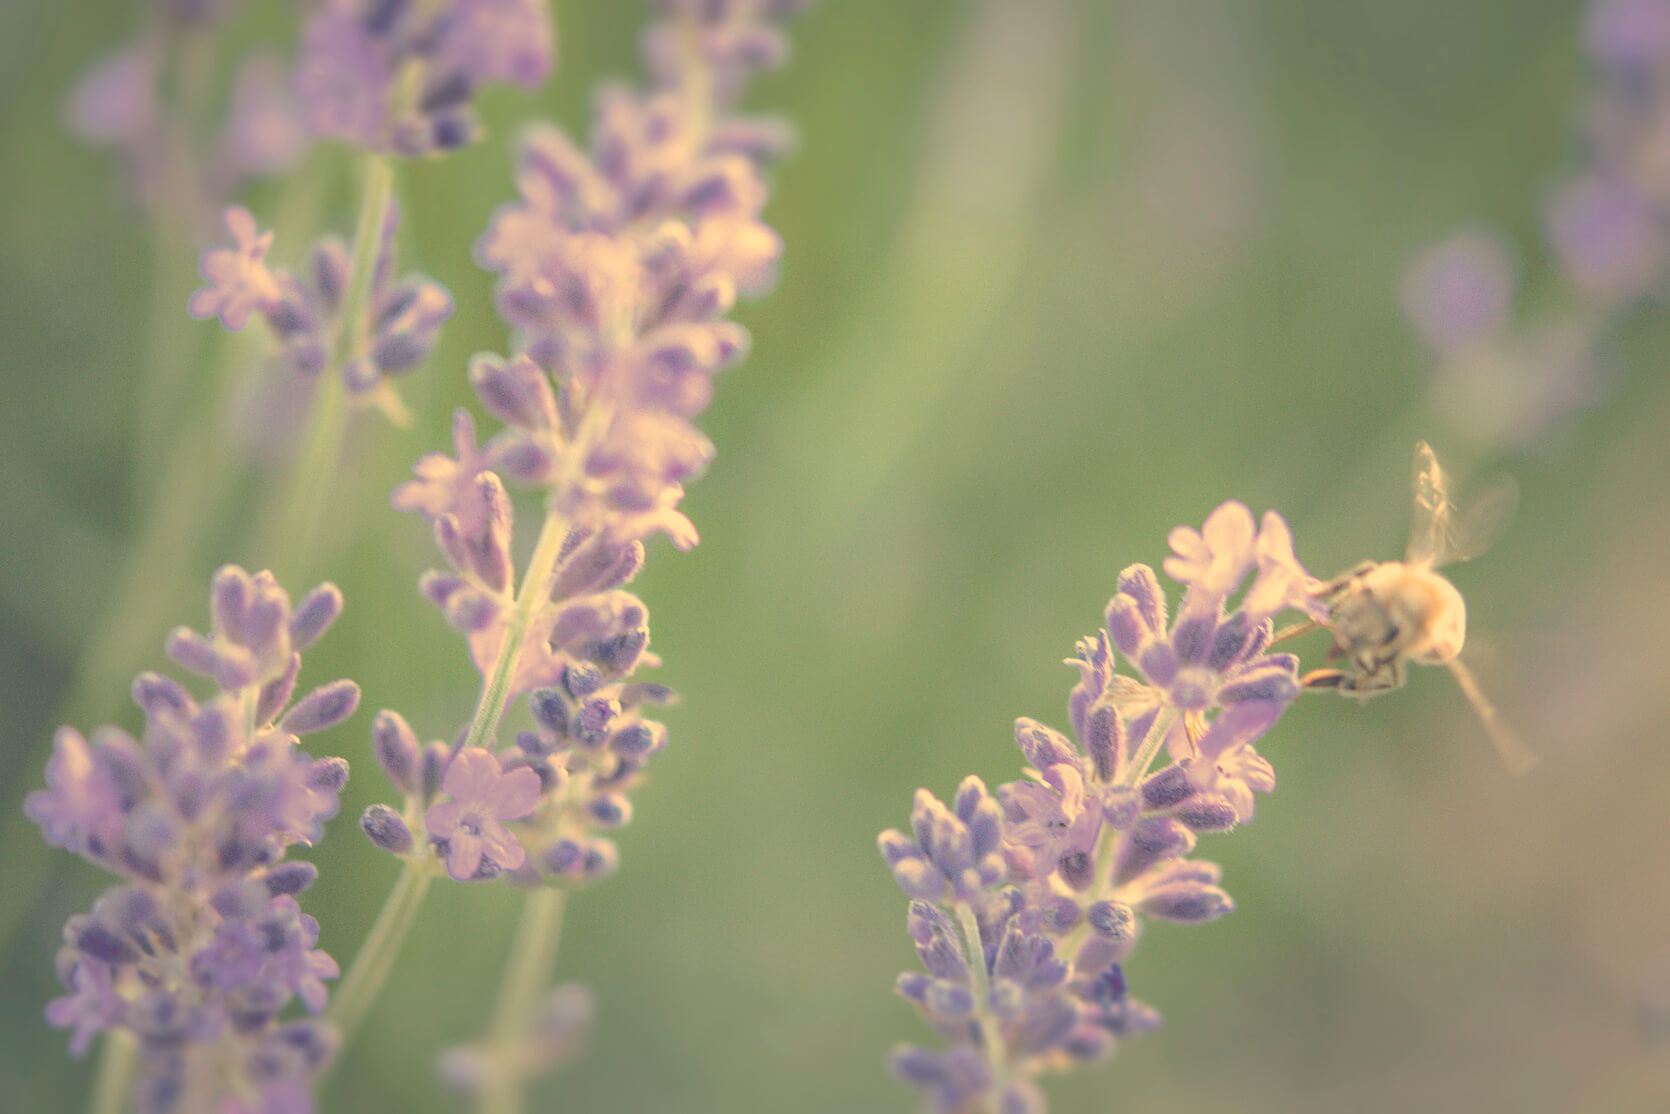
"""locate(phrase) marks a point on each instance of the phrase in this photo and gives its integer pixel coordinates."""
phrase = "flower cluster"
(203, 945)
(617, 269)
(619, 265)
(1608, 226)
(555, 791)
(1027, 902)
(400, 76)
(127, 101)
(402, 319)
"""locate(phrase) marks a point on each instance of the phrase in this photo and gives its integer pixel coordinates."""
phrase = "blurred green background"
(1058, 277)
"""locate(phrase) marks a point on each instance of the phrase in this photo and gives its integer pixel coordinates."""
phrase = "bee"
(1385, 614)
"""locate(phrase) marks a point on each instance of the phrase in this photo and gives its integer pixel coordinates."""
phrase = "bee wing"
(1439, 534)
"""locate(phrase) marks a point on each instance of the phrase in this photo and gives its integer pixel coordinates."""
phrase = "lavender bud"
(230, 597)
(438, 587)
(1105, 740)
(397, 750)
(563, 857)
(329, 774)
(610, 810)
(518, 393)
(550, 711)
(291, 878)
(602, 859)
(637, 740)
(384, 827)
(436, 757)
(314, 614)
(276, 693)
(1149, 842)
(190, 650)
(361, 375)
(1187, 903)
(582, 679)
(1139, 584)
(597, 566)
(948, 1000)
(448, 91)
(1112, 920)
(324, 707)
(1166, 788)
(469, 610)
(1208, 814)
(158, 695)
(524, 460)
(330, 271)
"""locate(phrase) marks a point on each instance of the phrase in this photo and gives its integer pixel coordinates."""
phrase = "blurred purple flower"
(1460, 291)
(239, 282)
(1610, 241)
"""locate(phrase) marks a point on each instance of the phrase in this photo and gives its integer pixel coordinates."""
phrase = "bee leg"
(1294, 631)
(1340, 582)
(1383, 676)
(1322, 678)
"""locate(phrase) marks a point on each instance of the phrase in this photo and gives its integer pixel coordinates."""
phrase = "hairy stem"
(1144, 757)
(118, 1054)
(527, 977)
(534, 593)
(991, 1037)
(311, 481)
(359, 989)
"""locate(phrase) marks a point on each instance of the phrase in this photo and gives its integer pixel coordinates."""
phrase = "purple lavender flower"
(617, 268)
(114, 102)
(401, 322)
(619, 263)
(239, 282)
(1610, 240)
(127, 102)
(200, 948)
(470, 825)
(1629, 34)
(1459, 293)
(263, 134)
(1026, 905)
(358, 58)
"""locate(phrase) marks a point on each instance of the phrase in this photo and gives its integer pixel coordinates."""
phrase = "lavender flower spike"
(1025, 907)
(400, 77)
(203, 944)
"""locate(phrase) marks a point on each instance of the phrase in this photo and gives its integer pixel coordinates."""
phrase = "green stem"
(311, 485)
(1134, 771)
(991, 1037)
(175, 226)
(1151, 742)
(117, 1057)
(534, 592)
(359, 989)
(526, 979)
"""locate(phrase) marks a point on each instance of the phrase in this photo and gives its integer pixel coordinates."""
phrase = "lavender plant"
(1513, 382)
(621, 289)
(617, 269)
(196, 953)
(1026, 903)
